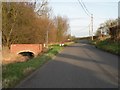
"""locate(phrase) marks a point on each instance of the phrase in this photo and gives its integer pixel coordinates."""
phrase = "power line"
(89, 14)
(83, 18)
(83, 8)
(78, 18)
(83, 27)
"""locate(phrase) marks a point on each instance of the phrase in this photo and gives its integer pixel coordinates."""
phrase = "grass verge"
(107, 45)
(69, 43)
(12, 74)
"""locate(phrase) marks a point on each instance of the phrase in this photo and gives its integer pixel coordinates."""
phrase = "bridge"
(33, 49)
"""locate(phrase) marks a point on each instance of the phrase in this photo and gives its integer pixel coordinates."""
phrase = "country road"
(78, 66)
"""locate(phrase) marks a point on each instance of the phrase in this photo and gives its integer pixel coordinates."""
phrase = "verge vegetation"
(108, 36)
(107, 45)
(14, 73)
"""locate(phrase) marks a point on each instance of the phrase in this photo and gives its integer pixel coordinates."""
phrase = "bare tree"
(62, 27)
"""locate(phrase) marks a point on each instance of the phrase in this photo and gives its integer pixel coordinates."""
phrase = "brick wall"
(34, 48)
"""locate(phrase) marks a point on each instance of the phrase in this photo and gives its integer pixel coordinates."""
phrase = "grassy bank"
(107, 45)
(12, 74)
(68, 43)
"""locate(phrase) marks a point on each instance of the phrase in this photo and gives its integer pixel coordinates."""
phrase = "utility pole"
(47, 38)
(92, 25)
(89, 30)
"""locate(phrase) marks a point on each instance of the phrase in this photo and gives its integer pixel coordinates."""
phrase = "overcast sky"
(102, 10)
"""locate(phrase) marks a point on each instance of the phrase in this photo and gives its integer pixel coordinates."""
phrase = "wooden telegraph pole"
(92, 25)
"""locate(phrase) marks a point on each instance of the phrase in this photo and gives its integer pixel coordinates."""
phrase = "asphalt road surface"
(78, 66)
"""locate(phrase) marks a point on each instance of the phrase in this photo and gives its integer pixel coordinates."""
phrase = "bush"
(110, 46)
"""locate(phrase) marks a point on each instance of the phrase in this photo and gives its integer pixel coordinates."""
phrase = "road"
(78, 66)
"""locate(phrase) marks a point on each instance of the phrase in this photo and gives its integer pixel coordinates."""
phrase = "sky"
(79, 21)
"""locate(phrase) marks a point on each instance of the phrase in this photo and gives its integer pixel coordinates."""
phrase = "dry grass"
(11, 58)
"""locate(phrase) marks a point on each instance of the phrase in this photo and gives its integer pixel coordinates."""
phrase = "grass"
(109, 46)
(68, 43)
(12, 74)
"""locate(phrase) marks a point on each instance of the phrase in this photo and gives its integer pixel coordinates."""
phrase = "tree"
(9, 20)
(18, 23)
(21, 24)
(41, 8)
(62, 27)
(111, 27)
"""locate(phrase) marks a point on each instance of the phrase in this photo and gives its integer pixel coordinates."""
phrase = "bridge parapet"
(34, 48)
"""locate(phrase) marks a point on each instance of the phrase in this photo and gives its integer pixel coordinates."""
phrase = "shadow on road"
(98, 63)
(79, 58)
(70, 70)
(58, 74)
